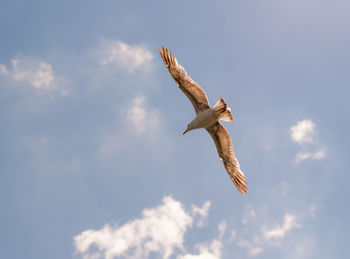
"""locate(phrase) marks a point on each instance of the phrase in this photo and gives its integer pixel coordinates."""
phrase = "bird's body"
(204, 119)
(208, 117)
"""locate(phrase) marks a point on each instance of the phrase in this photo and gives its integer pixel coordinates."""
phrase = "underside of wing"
(190, 88)
(224, 147)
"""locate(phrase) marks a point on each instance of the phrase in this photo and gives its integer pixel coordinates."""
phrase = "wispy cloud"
(210, 250)
(3, 70)
(260, 241)
(129, 57)
(33, 71)
(140, 117)
(222, 229)
(248, 215)
(253, 249)
(138, 120)
(265, 232)
(278, 232)
(317, 155)
(304, 133)
(159, 230)
(201, 212)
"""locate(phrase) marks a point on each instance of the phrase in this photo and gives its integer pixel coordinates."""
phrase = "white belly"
(204, 119)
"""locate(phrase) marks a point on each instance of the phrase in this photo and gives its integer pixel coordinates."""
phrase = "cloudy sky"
(93, 161)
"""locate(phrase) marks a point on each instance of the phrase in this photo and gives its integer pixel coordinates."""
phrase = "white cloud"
(127, 56)
(211, 251)
(38, 73)
(317, 155)
(3, 69)
(139, 121)
(159, 230)
(33, 71)
(202, 212)
(222, 229)
(303, 131)
(252, 248)
(279, 232)
(141, 118)
(137, 114)
(264, 233)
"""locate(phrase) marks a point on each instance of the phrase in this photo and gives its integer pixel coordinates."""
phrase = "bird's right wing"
(190, 88)
(224, 147)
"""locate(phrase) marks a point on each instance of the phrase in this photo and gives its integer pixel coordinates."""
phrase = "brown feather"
(224, 147)
(190, 88)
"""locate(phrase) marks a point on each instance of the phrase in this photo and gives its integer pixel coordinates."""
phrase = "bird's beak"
(185, 132)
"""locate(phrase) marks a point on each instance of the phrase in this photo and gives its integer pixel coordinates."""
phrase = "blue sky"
(93, 161)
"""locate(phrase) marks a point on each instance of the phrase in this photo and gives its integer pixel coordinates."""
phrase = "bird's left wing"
(224, 147)
(190, 88)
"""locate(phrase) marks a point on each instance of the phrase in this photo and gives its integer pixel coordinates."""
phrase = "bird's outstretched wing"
(190, 88)
(224, 147)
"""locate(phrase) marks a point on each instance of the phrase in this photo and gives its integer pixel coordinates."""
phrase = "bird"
(207, 117)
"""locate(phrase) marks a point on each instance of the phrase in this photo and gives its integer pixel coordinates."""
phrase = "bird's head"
(189, 127)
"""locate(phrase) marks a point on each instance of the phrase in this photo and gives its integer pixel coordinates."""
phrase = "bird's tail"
(223, 111)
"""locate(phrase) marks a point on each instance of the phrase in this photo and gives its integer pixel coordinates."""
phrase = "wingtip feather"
(168, 57)
(237, 178)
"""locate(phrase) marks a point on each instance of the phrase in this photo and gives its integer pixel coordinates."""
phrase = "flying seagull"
(207, 117)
